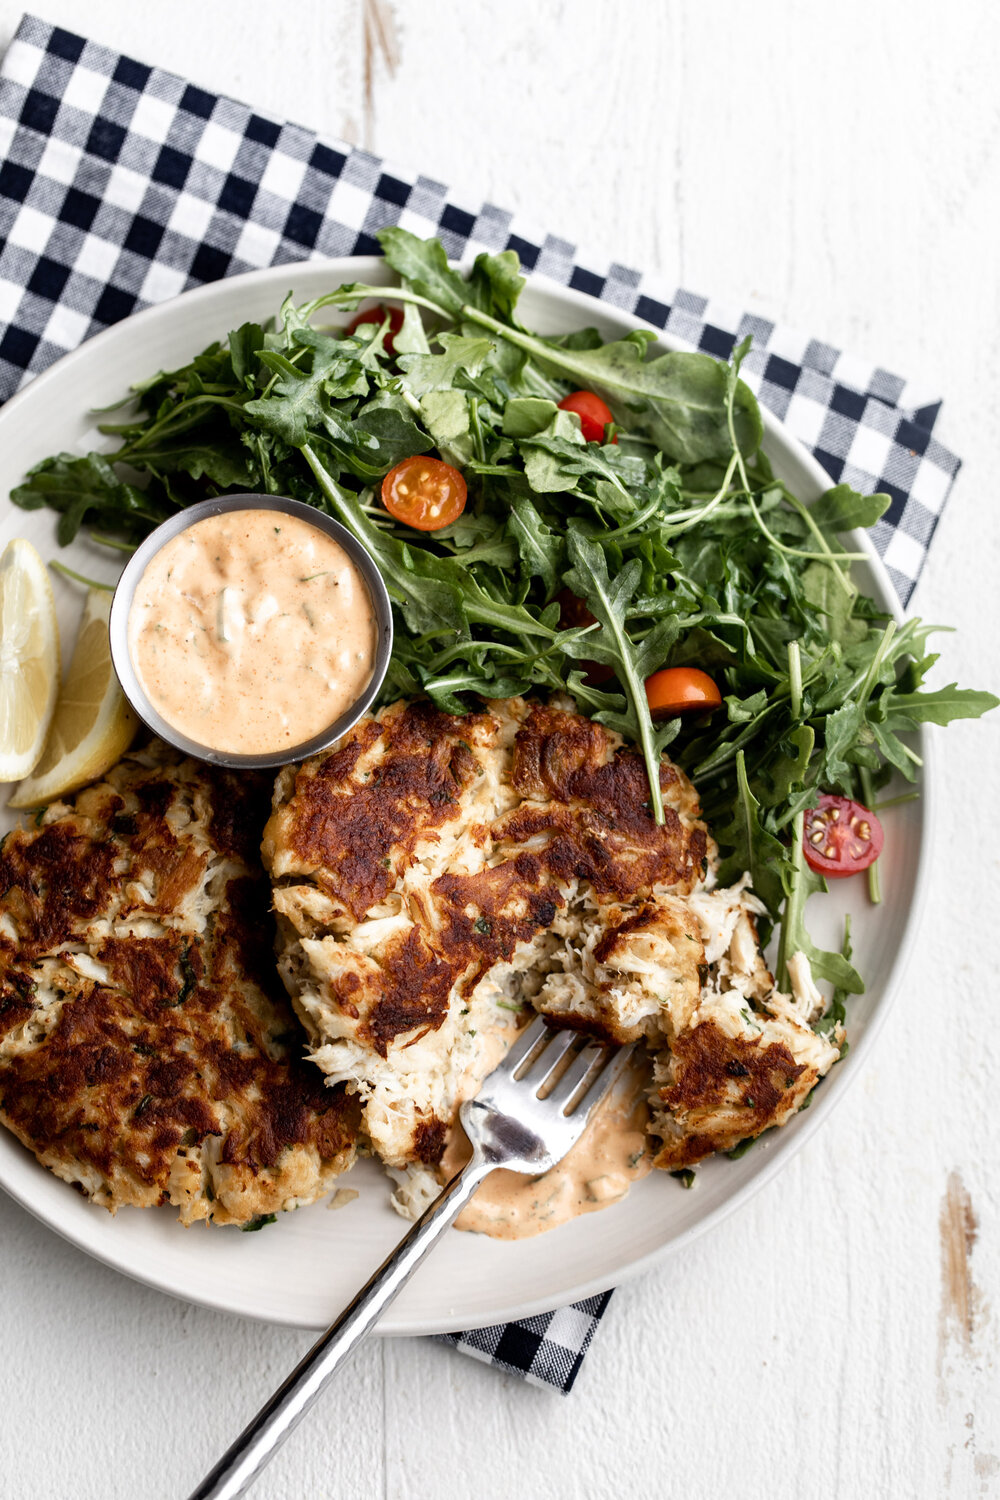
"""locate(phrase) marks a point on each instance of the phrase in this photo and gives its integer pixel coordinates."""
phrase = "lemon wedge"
(29, 659)
(93, 725)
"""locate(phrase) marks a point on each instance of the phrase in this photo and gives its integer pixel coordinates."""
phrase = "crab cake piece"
(732, 1074)
(732, 1055)
(629, 969)
(741, 1056)
(147, 1051)
(433, 870)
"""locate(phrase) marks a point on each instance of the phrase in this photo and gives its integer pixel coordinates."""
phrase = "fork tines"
(540, 1052)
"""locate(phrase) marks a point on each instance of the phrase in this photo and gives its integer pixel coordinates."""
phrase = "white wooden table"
(837, 169)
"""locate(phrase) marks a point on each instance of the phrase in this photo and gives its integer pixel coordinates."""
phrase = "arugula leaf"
(423, 265)
(525, 416)
(678, 400)
(394, 435)
(572, 458)
(800, 883)
(751, 847)
(545, 465)
(227, 463)
(787, 773)
(942, 706)
(87, 488)
(836, 1012)
(496, 283)
(842, 729)
(843, 508)
(743, 710)
(822, 590)
(438, 372)
(411, 338)
(245, 343)
(447, 418)
(541, 550)
(607, 600)
(300, 397)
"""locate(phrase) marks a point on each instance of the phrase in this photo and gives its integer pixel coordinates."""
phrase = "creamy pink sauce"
(252, 631)
(612, 1153)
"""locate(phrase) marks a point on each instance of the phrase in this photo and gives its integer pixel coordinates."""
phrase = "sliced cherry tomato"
(573, 613)
(681, 690)
(593, 413)
(378, 314)
(841, 837)
(424, 493)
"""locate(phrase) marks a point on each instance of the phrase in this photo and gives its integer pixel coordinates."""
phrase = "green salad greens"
(674, 531)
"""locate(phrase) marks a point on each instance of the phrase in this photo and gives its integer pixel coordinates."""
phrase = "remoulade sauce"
(252, 631)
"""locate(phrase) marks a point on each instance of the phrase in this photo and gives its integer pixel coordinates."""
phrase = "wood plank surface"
(836, 168)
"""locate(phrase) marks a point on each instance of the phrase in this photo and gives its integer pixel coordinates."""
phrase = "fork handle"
(257, 1444)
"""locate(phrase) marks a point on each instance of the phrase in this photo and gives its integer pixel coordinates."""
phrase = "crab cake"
(436, 877)
(739, 1057)
(147, 1051)
(433, 870)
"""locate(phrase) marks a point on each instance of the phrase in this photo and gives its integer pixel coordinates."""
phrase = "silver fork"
(526, 1117)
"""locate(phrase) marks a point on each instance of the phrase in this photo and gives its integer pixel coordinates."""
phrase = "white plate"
(303, 1270)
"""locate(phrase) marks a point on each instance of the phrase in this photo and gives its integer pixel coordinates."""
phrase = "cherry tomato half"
(424, 493)
(593, 413)
(378, 314)
(841, 837)
(681, 690)
(573, 613)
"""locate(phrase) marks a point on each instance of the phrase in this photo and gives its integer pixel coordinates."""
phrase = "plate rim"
(783, 1150)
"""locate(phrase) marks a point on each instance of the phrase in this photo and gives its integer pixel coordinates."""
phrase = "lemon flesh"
(93, 724)
(29, 658)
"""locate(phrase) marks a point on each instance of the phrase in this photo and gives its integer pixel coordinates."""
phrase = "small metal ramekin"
(125, 593)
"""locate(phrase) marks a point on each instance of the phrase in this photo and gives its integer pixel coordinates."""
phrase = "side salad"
(562, 514)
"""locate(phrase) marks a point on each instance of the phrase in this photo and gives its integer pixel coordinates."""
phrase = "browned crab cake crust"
(148, 1053)
(718, 1089)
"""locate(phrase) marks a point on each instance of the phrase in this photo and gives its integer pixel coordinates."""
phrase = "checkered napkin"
(122, 185)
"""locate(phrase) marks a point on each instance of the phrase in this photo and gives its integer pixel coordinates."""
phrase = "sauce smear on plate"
(612, 1154)
(252, 631)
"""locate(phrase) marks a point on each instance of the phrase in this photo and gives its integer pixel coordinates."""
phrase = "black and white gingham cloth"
(546, 1350)
(122, 185)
